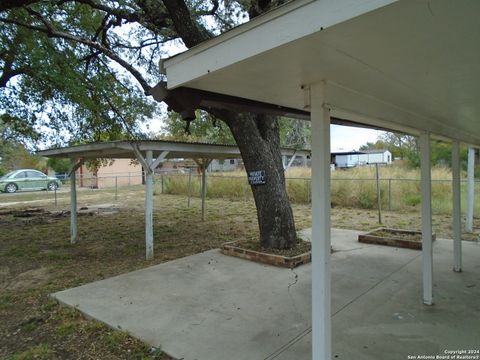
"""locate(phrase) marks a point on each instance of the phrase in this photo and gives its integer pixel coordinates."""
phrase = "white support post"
(73, 207)
(204, 190)
(73, 199)
(321, 307)
(427, 249)
(456, 198)
(470, 189)
(149, 206)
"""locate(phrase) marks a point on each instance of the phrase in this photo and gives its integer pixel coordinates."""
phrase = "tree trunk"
(258, 139)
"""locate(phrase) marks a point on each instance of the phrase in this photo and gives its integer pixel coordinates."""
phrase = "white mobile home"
(361, 158)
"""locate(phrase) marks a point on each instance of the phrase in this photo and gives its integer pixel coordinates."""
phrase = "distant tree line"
(405, 147)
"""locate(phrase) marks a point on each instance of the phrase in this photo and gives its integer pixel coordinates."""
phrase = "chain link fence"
(395, 194)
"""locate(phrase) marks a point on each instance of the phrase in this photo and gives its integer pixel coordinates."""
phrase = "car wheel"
(11, 188)
(52, 186)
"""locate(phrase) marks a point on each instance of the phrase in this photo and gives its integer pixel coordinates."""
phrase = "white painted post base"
(456, 216)
(321, 308)
(427, 249)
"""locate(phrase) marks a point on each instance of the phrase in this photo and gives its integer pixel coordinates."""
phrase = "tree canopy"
(84, 69)
(54, 88)
(79, 69)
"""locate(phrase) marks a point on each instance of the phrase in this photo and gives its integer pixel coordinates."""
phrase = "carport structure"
(407, 65)
(150, 154)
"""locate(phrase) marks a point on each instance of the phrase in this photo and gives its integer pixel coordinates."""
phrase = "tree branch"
(7, 74)
(52, 32)
(12, 4)
(191, 33)
(153, 21)
(212, 11)
(124, 14)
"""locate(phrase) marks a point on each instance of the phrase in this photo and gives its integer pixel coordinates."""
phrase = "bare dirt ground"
(37, 259)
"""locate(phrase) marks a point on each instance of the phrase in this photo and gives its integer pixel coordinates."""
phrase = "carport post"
(73, 199)
(457, 234)
(204, 189)
(321, 311)
(73, 208)
(149, 167)
(470, 189)
(426, 187)
(149, 206)
(204, 166)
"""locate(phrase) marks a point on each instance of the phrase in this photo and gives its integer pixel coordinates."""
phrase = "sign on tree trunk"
(257, 177)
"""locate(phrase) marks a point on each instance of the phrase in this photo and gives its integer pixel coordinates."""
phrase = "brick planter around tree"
(290, 262)
(398, 238)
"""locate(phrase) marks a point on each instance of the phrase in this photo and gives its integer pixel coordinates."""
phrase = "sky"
(344, 138)
(349, 138)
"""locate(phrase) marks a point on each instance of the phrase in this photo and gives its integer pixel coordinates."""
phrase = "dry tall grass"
(356, 188)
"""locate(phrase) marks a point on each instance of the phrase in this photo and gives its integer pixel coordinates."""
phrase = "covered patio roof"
(173, 149)
(406, 65)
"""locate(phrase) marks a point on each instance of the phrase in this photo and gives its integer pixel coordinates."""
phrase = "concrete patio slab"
(210, 306)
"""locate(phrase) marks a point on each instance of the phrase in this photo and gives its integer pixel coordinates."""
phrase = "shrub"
(412, 199)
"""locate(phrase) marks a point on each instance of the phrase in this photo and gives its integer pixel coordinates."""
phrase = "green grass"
(41, 351)
(115, 338)
(66, 329)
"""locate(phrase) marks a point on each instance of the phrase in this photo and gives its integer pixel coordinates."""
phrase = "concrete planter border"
(289, 262)
(395, 241)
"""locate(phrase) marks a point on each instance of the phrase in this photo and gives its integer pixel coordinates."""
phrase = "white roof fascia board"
(288, 23)
(193, 148)
(268, 16)
(346, 103)
(123, 149)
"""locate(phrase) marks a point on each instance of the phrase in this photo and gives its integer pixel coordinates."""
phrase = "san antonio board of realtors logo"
(257, 177)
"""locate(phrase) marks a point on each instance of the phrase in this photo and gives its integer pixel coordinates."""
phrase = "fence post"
(55, 193)
(116, 188)
(189, 186)
(129, 179)
(389, 194)
(161, 178)
(378, 195)
(309, 190)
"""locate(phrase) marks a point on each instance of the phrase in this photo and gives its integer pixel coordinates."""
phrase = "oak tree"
(87, 68)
